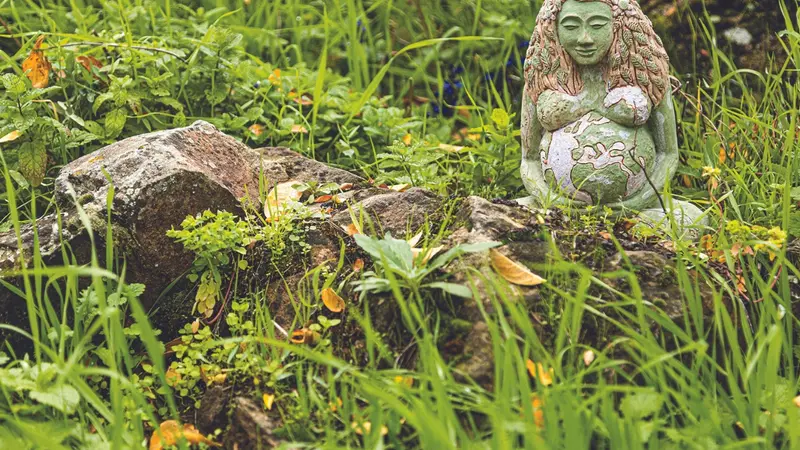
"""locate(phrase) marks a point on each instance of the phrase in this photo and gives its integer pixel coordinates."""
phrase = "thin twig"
(110, 44)
(644, 170)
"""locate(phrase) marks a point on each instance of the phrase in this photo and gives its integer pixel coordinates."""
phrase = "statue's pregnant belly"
(595, 160)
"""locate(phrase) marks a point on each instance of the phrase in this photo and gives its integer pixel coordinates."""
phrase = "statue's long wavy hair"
(636, 57)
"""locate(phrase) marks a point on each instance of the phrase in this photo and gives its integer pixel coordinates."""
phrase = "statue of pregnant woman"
(598, 123)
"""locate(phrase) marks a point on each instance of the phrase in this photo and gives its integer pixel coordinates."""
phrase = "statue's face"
(585, 30)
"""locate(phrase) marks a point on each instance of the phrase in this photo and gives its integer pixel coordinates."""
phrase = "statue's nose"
(585, 38)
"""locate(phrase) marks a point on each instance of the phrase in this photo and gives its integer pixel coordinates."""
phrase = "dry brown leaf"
(332, 300)
(323, 198)
(415, 240)
(513, 272)
(10, 136)
(36, 66)
(346, 187)
(170, 433)
(269, 399)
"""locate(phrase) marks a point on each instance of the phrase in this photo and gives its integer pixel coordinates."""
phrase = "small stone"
(738, 36)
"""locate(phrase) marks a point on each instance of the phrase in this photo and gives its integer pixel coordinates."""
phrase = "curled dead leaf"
(332, 300)
(171, 433)
(36, 66)
(323, 198)
(305, 336)
(513, 272)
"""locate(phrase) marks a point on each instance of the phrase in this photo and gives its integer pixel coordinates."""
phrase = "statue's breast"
(627, 106)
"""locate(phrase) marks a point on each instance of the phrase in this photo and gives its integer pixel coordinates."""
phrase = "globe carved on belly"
(595, 160)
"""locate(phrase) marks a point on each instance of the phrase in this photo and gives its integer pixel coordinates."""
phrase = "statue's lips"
(586, 53)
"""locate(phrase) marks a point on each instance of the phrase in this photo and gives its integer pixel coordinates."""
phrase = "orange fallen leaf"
(358, 266)
(173, 377)
(332, 300)
(346, 187)
(513, 272)
(536, 371)
(10, 136)
(269, 399)
(323, 198)
(257, 129)
(304, 100)
(353, 230)
(170, 433)
(36, 66)
(605, 235)
(196, 326)
(538, 413)
(89, 61)
(299, 129)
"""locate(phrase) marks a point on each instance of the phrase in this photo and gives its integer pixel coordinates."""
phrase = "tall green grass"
(724, 380)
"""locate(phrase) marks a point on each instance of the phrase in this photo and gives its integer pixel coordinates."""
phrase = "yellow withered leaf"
(10, 136)
(36, 66)
(513, 272)
(537, 371)
(170, 432)
(428, 253)
(332, 300)
(269, 399)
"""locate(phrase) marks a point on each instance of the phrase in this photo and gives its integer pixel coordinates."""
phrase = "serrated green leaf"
(33, 162)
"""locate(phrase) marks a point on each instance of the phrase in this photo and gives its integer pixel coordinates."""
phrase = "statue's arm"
(664, 130)
(531, 167)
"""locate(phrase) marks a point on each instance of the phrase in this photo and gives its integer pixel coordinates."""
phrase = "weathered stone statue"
(598, 123)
